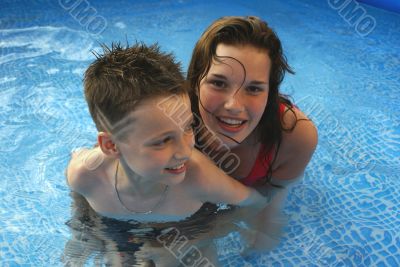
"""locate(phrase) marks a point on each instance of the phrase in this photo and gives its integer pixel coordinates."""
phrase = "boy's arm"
(213, 185)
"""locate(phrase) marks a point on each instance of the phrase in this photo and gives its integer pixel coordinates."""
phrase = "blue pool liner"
(391, 5)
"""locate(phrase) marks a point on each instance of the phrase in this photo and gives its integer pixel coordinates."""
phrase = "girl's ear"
(106, 144)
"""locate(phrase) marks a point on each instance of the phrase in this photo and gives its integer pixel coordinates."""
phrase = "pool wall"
(391, 5)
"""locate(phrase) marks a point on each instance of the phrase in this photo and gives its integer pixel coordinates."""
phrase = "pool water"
(346, 210)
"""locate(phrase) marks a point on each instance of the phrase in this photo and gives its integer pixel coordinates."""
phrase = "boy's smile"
(178, 169)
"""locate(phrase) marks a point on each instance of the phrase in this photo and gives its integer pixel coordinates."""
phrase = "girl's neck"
(250, 142)
(247, 151)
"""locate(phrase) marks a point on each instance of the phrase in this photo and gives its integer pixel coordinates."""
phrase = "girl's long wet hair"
(252, 31)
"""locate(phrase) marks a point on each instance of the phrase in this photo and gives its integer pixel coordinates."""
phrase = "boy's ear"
(106, 144)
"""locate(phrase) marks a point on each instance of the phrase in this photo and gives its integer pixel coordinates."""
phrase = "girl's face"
(234, 93)
(158, 139)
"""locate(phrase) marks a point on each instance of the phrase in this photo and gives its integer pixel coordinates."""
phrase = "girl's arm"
(211, 184)
(297, 147)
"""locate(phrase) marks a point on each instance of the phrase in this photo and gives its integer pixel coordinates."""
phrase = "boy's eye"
(189, 127)
(162, 142)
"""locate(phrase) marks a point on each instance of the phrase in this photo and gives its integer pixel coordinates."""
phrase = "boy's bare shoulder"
(85, 170)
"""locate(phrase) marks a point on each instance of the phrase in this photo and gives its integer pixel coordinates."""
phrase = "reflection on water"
(105, 241)
(108, 241)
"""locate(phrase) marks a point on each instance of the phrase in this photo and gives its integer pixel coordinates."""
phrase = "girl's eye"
(218, 83)
(254, 89)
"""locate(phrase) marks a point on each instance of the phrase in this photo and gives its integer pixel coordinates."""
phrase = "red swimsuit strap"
(261, 164)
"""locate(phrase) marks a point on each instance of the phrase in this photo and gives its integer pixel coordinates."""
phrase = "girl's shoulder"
(303, 133)
(298, 144)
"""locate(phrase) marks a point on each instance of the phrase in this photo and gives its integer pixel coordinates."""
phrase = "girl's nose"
(233, 103)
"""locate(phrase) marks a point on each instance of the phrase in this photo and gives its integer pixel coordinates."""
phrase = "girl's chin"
(231, 141)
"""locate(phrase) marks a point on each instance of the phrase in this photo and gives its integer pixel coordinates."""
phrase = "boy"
(145, 167)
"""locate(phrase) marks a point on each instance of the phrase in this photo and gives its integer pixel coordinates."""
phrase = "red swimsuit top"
(261, 165)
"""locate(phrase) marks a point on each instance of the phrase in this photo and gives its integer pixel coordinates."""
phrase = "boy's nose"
(185, 147)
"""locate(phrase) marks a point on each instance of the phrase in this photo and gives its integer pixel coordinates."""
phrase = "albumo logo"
(85, 14)
(355, 15)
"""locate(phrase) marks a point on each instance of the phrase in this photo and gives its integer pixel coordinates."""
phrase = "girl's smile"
(234, 93)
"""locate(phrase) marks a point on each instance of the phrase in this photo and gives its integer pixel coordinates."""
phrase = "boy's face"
(158, 139)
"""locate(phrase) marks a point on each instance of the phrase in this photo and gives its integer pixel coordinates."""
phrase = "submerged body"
(122, 243)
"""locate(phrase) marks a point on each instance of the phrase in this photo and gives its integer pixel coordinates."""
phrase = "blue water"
(346, 211)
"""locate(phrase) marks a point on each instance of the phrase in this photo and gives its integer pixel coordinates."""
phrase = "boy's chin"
(175, 179)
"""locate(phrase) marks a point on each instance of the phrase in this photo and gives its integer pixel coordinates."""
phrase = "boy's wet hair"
(121, 77)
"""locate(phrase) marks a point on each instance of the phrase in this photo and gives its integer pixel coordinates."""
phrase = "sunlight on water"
(345, 212)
